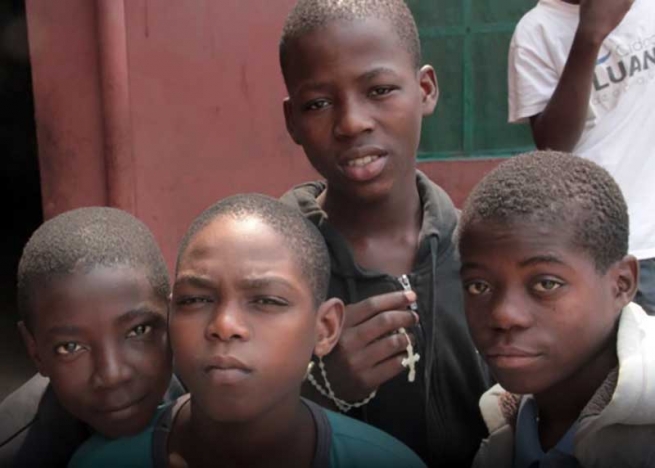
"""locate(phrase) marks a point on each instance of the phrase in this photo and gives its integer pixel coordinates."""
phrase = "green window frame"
(467, 42)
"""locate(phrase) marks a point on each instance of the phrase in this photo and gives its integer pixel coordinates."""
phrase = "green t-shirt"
(341, 442)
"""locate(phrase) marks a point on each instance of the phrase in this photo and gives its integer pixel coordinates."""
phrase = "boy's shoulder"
(18, 410)
(355, 443)
(28, 419)
(434, 199)
(146, 449)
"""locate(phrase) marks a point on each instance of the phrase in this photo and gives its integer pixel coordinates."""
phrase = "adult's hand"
(369, 353)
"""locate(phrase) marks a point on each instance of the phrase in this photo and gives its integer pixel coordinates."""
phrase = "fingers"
(381, 350)
(362, 311)
(377, 327)
(384, 371)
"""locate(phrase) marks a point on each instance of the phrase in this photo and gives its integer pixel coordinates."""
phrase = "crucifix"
(411, 359)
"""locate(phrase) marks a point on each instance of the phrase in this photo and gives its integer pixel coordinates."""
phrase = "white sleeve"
(531, 81)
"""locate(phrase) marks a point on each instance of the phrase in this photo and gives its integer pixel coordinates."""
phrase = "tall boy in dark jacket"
(357, 96)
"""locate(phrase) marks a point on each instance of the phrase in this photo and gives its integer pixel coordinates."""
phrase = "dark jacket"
(437, 416)
(36, 431)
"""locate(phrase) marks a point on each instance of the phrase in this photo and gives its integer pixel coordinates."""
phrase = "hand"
(369, 352)
(598, 18)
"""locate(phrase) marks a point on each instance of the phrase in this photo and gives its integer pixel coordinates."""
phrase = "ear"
(32, 350)
(625, 279)
(288, 119)
(329, 322)
(429, 89)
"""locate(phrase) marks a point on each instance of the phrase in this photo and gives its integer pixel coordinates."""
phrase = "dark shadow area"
(20, 194)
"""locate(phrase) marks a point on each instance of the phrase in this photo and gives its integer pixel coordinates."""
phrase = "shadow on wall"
(20, 194)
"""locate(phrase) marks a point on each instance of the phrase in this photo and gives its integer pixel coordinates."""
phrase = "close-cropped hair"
(81, 240)
(309, 15)
(303, 240)
(555, 189)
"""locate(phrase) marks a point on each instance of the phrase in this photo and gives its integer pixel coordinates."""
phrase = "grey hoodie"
(437, 416)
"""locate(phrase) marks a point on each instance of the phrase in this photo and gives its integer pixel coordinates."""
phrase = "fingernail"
(410, 296)
(416, 317)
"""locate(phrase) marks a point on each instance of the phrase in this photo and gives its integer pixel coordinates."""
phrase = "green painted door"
(467, 42)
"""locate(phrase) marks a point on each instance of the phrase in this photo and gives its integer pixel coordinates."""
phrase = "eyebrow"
(536, 260)
(263, 282)
(366, 76)
(141, 313)
(194, 280)
(129, 316)
(369, 75)
(69, 330)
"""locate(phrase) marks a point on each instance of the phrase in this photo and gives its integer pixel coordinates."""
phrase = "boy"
(583, 73)
(357, 96)
(93, 294)
(248, 313)
(548, 284)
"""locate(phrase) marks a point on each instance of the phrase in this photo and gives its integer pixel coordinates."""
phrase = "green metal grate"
(467, 43)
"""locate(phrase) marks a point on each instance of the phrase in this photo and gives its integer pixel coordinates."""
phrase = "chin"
(518, 383)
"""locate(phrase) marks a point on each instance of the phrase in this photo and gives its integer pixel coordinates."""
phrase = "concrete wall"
(161, 107)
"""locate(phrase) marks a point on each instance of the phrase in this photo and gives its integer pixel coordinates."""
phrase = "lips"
(507, 357)
(118, 409)
(226, 370)
(363, 163)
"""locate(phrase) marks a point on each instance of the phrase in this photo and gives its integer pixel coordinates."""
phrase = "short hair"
(554, 188)
(304, 241)
(308, 15)
(83, 239)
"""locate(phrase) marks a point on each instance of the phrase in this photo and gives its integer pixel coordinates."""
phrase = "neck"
(284, 436)
(400, 211)
(561, 405)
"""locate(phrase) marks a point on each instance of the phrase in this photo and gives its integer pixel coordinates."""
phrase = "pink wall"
(162, 107)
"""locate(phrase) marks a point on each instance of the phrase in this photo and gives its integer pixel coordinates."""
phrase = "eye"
(269, 301)
(316, 104)
(381, 90)
(139, 330)
(477, 288)
(547, 285)
(192, 300)
(68, 348)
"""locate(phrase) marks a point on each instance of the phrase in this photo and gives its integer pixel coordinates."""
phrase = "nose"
(227, 323)
(353, 118)
(110, 368)
(510, 311)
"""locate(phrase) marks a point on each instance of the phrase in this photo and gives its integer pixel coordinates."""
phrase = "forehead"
(488, 242)
(343, 47)
(99, 295)
(239, 246)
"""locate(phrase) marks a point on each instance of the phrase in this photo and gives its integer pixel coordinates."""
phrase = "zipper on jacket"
(407, 286)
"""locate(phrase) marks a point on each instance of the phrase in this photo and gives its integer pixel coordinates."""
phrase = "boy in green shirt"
(248, 313)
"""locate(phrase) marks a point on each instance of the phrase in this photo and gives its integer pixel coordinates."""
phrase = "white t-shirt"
(619, 132)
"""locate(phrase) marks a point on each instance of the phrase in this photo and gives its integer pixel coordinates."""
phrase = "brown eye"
(547, 285)
(66, 349)
(139, 330)
(476, 288)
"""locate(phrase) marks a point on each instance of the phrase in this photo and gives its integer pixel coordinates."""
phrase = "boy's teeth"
(359, 162)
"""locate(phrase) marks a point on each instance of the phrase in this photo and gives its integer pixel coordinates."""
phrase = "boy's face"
(101, 339)
(244, 324)
(539, 312)
(356, 102)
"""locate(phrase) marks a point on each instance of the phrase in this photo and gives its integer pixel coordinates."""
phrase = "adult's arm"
(562, 122)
